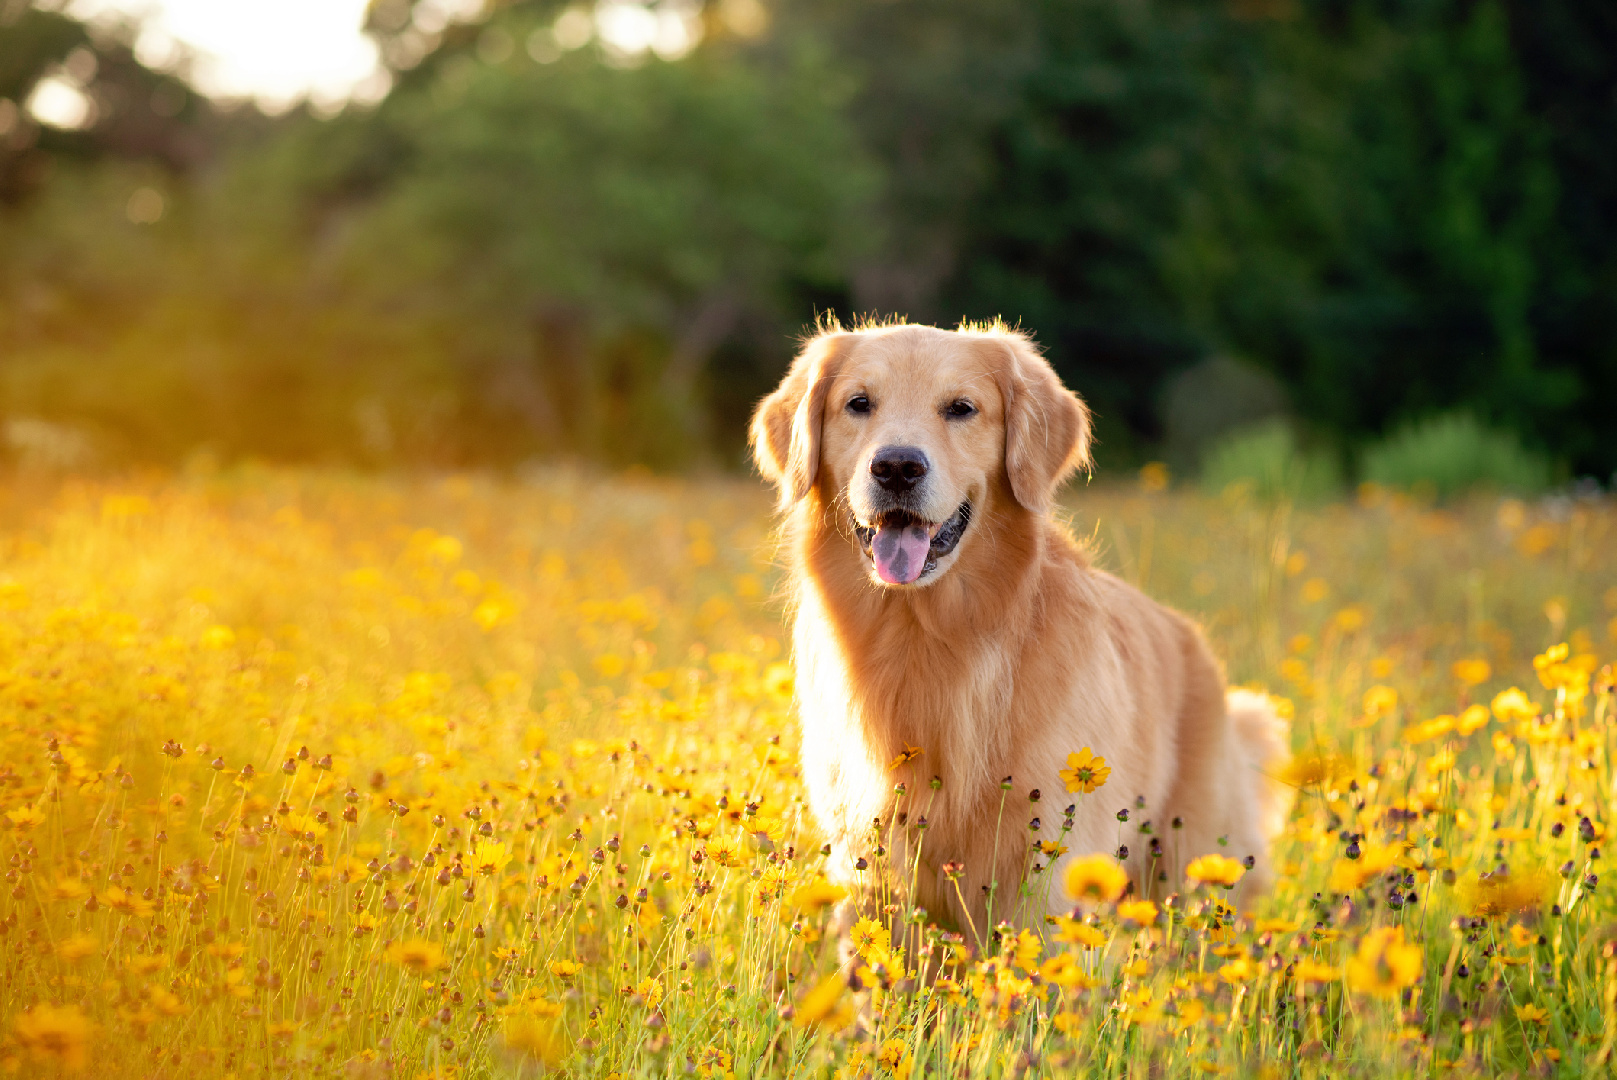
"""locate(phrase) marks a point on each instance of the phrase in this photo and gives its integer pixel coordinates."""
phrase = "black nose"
(898, 468)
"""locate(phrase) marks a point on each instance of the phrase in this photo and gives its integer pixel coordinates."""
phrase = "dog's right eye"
(859, 403)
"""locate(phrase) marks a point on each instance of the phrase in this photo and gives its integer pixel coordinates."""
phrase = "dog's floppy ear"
(1046, 425)
(786, 425)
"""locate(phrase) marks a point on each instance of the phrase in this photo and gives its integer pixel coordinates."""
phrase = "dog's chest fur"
(883, 678)
(863, 707)
(944, 737)
(963, 686)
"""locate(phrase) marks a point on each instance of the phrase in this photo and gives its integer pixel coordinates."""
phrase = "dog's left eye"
(959, 407)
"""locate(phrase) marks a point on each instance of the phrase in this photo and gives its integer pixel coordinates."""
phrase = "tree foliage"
(612, 228)
(1396, 208)
(1392, 206)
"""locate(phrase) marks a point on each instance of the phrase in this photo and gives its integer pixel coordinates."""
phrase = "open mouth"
(905, 548)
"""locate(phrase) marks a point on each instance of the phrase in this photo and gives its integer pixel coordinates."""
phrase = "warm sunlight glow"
(629, 29)
(57, 101)
(277, 51)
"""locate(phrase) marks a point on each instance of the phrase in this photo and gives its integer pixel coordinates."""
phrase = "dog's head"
(913, 431)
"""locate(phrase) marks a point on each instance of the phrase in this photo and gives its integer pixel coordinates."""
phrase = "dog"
(954, 645)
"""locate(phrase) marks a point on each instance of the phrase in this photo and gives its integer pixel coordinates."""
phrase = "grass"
(310, 775)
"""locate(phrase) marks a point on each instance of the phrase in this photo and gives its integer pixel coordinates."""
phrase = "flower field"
(311, 775)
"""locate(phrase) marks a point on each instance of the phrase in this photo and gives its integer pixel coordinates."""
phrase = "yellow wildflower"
(76, 947)
(1072, 932)
(1317, 768)
(1427, 730)
(817, 894)
(895, 1058)
(1308, 971)
(1384, 963)
(1548, 660)
(1350, 619)
(1512, 705)
(1349, 875)
(57, 1035)
(1380, 701)
(1095, 877)
(1505, 894)
(536, 1038)
(416, 955)
(1063, 971)
(767, 831)
(650, 991)
(610, 665)
(1142, 912)
(1504, 749)
(166, 1002)
(1474, 718)
(909, 754)
(1215, 870)
(489, 856)
(779, 681)
(68, 888)
(1472, 671)
(1532, 1014)
(870, 938)
(715, 1063)
(217, 637)
(1239, 970)
(818, 1003)
(24, 818)
(236, 984)
(1142, 1007)
(1440, 762)
(126, 902)
(723, 851)
(147, 964)
(1085, 772)
(770, 887)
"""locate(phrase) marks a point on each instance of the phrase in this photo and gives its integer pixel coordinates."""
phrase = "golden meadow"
(312, 775)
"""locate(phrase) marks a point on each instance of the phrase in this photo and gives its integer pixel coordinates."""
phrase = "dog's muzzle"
(905, 548)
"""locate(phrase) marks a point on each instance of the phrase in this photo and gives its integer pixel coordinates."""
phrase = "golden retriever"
(954, 645)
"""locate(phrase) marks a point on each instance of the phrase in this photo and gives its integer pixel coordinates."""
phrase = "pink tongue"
(900, 552)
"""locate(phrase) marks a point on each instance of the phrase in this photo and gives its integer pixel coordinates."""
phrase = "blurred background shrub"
(1449, 455)
(1266, 461)
(554, 238)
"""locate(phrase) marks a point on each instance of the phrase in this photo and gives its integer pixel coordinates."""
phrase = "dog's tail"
(1263, 737)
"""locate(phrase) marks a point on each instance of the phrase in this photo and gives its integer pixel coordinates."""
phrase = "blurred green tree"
(598, 231)
(126, 110)
(517, 252)
(1397, 207)
(545, 240)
